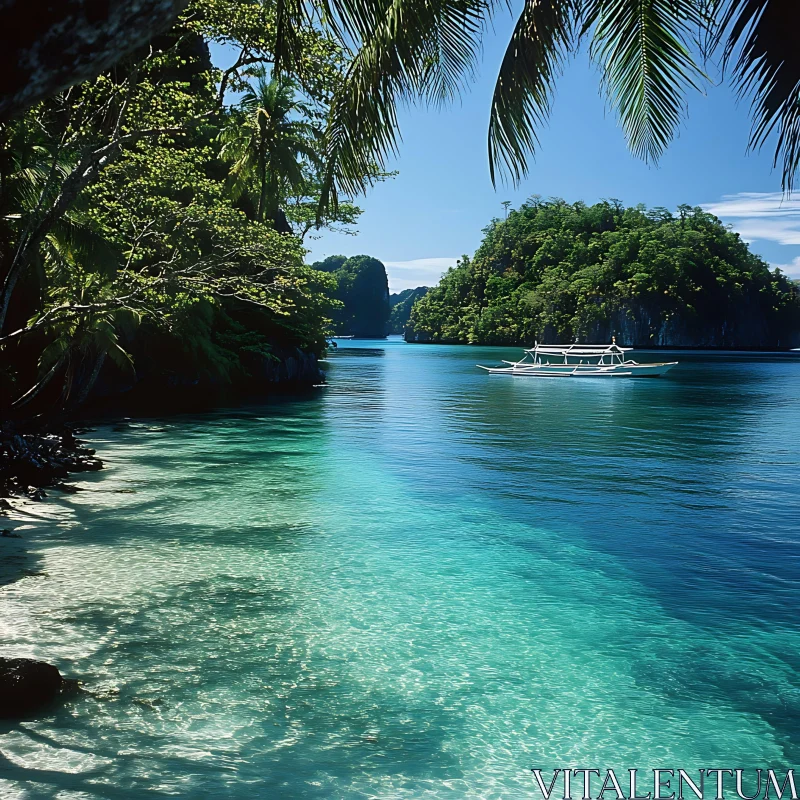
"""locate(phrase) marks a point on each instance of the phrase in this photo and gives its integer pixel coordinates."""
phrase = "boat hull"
(584, 370)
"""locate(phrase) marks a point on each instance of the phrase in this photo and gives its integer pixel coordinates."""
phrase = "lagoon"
(421, 583)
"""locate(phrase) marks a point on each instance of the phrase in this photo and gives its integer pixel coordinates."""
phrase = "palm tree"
(73, 263)
(650, 52)
(268, 144)
(78, 351)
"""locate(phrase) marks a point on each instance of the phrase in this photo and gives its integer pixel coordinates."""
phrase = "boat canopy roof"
(578, 349)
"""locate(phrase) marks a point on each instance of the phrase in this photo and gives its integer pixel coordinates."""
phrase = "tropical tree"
(649, 53)
(270, 139)
(117, 233)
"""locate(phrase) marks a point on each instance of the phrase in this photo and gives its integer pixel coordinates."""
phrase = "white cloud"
(782, 232)
(765, 216)
(417, 272)
(792, 269)
(753, 204)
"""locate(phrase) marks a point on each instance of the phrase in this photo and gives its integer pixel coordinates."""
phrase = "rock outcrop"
(402, 303)
(745, 328)
(362, 287)
(28, 686)
(293, 369)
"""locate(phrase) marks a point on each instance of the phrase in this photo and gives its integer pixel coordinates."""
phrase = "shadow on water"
(17, 559)
(289, 727)
(215, 649)
(18, 562)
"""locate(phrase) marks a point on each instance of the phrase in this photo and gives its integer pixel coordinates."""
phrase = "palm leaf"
(407, 49)
(290, 17)
(642, 48)
(55, 352)
(451, 49)
(544, 33)
(762, 36)
(78, 242)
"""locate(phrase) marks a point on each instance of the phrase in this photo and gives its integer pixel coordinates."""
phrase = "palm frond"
(55, 352)
(407, 49)
(353, 20)
(101, 336)
(543, 35)
(290, 16)
(762, 38)
(78, 242)
(452, 49)
(120, 357)
(642, 47)
(244, 165)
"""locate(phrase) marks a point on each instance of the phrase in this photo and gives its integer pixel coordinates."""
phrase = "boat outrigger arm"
(582, 361)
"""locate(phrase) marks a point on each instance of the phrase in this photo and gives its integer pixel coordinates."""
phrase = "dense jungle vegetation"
(152, 219)
(556, 272)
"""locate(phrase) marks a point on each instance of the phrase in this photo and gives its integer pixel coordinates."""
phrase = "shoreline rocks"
(28, 686)
(163, 392)
(29, 462)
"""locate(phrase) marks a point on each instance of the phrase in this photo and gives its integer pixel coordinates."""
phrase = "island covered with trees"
(366, 309)
(555, 272)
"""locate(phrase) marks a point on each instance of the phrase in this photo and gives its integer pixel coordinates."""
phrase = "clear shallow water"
(420, 584)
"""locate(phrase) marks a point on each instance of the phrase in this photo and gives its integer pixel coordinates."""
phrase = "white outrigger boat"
(580, 361)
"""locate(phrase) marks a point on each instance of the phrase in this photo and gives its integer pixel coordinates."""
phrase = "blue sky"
(430, 214)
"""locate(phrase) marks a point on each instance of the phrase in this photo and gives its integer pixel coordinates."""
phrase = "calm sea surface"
(420, 584)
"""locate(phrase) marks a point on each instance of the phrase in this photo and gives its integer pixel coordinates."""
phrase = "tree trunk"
(48, 46)
(35, 390)
(262, 174)
(87, 387)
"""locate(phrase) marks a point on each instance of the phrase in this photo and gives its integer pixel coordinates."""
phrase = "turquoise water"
(420, 584)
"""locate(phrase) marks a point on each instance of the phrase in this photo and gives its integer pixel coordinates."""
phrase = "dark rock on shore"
(294, 367)
(27, 686)
(31, 461)
(158, 389)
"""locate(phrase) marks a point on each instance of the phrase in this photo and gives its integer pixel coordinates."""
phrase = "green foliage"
(269, 142)
(401, 304)
(330, 264)
(554, 272)
(362, 290)
(138, 215)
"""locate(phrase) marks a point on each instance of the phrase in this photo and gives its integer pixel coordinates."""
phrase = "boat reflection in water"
(580, 361)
